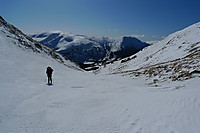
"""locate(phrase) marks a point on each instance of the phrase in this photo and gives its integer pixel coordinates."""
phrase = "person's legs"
(49, 79)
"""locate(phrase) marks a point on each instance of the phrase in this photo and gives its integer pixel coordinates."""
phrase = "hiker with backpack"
(49, 72)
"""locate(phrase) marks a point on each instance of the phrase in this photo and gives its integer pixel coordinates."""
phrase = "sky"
(147, 20)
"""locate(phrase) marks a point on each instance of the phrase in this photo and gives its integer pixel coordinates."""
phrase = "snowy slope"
(176, 45)
(13, 35)
(80, 48)
(173, 58)
(80, 102)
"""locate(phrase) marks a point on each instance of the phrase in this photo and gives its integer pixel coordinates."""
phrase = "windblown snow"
(81, 102)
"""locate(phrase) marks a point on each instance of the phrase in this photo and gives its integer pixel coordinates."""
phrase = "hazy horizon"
(146, 20)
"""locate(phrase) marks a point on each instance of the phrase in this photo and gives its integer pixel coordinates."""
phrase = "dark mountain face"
(130, 46)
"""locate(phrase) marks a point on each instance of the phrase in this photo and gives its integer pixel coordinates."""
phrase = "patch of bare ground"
(176, 70)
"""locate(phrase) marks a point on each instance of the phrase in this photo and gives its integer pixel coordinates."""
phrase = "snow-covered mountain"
(10, 34)
(82, 49)
(81, 102)
(175, 57)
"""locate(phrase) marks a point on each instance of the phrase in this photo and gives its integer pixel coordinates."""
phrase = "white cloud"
(137, 36)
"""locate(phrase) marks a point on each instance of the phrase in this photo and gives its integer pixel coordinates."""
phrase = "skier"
(49, 72)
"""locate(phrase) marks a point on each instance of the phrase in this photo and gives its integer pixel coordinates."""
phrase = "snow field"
(80, 102)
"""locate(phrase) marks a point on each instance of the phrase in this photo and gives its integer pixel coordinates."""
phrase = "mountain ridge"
(17, 37)
(174, 58)
(82, 49)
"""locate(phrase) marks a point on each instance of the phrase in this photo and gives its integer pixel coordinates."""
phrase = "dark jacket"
(49, 71)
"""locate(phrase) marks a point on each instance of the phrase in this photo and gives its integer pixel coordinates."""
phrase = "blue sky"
(146, 19)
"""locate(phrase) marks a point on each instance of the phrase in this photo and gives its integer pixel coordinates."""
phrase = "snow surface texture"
(80, 102)
(80, 48)
(173, 58)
